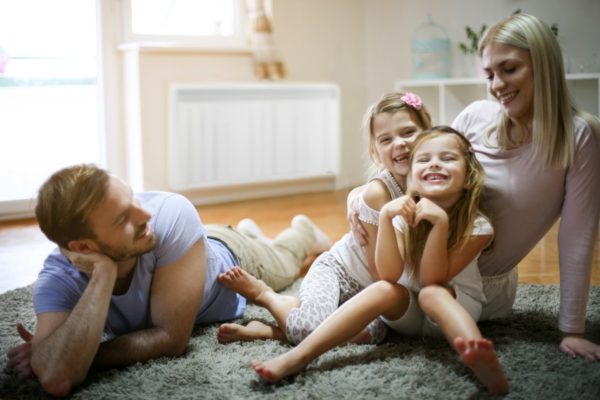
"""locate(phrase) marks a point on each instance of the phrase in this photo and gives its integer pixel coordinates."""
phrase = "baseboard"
(256, 191)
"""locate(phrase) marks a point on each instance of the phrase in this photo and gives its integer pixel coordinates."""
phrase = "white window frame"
(24, 207)
(238, 40)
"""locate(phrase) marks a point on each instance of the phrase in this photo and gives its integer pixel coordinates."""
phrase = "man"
(133, 273)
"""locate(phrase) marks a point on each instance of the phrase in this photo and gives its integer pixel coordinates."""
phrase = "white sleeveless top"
(469, 279)
(347, 251)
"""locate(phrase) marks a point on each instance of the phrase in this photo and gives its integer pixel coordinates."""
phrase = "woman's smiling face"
(510, 79)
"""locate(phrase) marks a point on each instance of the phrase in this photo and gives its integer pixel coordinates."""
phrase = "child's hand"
(404, 206)
(429, 211)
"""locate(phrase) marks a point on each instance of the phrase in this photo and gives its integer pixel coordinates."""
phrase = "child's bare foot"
(258, 292)
(279, 367)
(480, 356)
(255, 330)
(241, 282)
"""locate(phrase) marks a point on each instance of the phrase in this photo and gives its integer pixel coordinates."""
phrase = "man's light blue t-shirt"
(177, 226)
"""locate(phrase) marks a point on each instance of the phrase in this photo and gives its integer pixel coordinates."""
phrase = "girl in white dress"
(426, 255)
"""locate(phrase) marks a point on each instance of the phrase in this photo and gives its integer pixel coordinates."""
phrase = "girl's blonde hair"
(553, 106)
(461, 217)
(390, 103)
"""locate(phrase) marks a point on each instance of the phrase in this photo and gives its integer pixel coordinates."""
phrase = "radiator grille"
(240, 134)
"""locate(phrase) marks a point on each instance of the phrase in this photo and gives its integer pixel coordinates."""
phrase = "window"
(193, 22)
(48, 94)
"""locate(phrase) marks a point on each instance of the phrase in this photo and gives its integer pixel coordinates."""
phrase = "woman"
(541, 157)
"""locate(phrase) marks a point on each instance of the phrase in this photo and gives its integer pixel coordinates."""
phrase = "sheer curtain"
(48, 94)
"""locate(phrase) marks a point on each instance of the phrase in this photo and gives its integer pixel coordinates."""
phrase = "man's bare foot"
(480, 356)
(250, 228)
(241, 282)
(255, 330)
(279, 367)
(322, 241)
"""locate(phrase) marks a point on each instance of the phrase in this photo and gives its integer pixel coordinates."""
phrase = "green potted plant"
(471, 46)
(471, 50)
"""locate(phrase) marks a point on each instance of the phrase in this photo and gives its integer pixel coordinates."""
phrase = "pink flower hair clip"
(412, 100)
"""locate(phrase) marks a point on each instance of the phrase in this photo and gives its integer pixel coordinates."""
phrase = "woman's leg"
(461, 331)
(344, 324)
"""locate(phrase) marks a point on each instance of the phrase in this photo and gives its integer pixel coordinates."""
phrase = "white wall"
(362, 45)
(390, 25)
(323, 40)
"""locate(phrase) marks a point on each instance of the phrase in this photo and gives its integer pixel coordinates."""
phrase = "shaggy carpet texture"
(401, 368)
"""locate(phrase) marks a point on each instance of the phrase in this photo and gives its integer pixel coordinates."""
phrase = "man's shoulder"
(157, 202)
(158, 197)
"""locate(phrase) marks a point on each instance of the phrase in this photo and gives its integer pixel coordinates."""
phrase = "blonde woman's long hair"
(389, 103)
(461, 217)
(553, 106)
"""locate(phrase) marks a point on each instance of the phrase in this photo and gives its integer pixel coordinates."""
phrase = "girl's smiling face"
(393, 135)
(439, 170)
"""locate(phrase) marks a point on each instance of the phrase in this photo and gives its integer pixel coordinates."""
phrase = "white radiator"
(252, 133)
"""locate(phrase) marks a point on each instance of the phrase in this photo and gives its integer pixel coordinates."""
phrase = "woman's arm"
(578, 233)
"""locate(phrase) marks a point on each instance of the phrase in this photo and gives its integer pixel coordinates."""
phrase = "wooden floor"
(23, 247)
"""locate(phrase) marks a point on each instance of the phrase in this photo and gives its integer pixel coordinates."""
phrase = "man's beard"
(123, 253)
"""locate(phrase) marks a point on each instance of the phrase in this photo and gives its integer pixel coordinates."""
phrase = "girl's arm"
(458, 258)
(358, 228)
(389, 250)
(376, 195)
(438, 263)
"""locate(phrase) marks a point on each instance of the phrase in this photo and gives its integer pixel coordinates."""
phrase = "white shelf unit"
(445, 98)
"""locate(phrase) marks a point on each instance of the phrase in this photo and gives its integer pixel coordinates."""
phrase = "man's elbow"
(56, 385)
(56, 381)
(58, 388)
(177, 346)
(176, 350)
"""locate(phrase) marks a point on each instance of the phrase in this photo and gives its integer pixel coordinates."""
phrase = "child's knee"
(431, 295)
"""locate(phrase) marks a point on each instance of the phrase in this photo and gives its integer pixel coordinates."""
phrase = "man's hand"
(86, 262)
(577, 346)
(19, 357)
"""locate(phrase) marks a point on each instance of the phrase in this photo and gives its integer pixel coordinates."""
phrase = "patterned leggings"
(326, 286)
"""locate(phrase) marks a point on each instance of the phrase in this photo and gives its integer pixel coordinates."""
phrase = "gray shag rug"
(401, 368)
